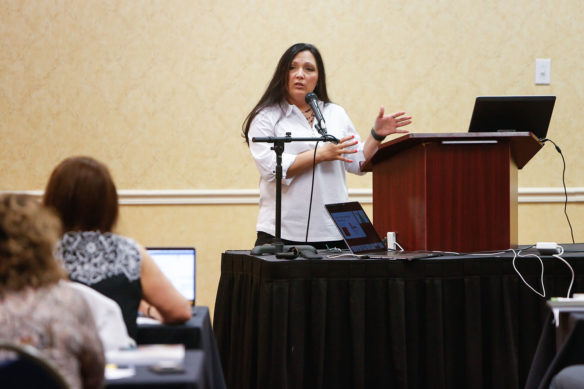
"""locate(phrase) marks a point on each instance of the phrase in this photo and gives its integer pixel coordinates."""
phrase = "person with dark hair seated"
(83, 193)
(36, 306)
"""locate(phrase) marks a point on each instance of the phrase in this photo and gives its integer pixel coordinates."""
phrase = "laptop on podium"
(512, 113)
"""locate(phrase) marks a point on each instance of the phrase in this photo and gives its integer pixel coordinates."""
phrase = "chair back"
(28, 369)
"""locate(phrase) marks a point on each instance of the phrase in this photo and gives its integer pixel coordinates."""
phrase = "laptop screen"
(178, 264)
(355, 227)
(512, 113)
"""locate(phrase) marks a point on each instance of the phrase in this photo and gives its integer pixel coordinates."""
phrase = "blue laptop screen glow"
(356, 228)
(178, 265)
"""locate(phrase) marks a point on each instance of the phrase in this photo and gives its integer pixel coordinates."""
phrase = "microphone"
(312, 100)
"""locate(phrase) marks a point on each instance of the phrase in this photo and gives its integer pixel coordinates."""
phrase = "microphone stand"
(277, 246)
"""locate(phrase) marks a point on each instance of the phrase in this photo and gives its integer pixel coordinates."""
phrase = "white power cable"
(518, 255)
(558, 256)
(399, 245)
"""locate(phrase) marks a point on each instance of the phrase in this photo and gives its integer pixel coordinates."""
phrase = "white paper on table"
(114, 372)
(147, 355)
(566, 304)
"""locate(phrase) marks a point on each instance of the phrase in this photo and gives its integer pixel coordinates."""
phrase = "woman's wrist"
(148, 311)
(378, 138)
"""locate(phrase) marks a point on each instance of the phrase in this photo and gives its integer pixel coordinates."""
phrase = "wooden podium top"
(524, 145)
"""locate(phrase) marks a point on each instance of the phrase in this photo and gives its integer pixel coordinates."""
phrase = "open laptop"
(512, 113)
(178, 264)
(360, 235)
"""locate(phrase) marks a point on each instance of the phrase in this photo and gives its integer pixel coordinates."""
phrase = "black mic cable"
(564, 183)
(311, 191)
(312, 100)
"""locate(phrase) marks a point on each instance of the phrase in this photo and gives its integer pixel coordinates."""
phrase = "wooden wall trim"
(251, 196)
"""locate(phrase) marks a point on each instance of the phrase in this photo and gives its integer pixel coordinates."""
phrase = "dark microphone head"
(312, 100)
(310, 97)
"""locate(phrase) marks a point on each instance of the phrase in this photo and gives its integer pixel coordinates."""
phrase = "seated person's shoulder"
(68, 295)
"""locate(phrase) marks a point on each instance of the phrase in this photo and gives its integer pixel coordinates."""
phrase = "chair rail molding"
(251, 196)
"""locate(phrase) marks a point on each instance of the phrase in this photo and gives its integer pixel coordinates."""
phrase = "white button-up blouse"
(329, 181)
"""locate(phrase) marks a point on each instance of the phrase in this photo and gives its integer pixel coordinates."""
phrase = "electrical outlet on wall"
(543, 70)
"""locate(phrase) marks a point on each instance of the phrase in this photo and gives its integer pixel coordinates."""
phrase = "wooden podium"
(450, 192)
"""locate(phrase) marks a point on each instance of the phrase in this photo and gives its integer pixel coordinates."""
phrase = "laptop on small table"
(360, 235)
(178, 264)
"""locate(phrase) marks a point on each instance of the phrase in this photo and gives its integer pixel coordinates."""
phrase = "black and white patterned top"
(110, 264)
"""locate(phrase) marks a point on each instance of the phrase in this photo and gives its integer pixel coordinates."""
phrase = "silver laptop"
(360, 235)
(179, 265)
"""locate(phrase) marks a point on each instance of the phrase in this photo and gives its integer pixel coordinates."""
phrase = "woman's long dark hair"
(276, 91)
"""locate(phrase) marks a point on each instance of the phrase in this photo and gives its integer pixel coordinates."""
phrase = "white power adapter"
(391, 244)
(547, 248)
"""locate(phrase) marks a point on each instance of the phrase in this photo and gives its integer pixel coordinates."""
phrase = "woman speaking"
(283, 109)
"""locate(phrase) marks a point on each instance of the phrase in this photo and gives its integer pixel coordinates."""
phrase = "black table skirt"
(454, 322)
(550, 358)
(192, 378)
(196, 334)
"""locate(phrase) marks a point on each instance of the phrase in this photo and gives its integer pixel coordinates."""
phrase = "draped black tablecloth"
(193, 376)
(195, 334)
(551, 357)
(448, 322)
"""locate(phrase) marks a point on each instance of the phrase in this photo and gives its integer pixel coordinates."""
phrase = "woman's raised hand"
(390, 124)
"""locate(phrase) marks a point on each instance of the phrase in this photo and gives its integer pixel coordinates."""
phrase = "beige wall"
(159, 89)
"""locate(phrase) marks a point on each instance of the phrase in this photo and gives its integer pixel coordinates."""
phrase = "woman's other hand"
(328, 152)
(340, 151)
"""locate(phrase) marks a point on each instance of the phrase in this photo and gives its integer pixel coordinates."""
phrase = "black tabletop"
(192, 377)
(196, 334)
